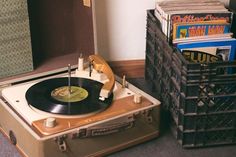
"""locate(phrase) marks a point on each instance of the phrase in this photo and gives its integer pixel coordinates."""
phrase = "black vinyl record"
(49, 96)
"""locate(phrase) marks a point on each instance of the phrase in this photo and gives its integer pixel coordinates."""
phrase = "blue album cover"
(227, 47)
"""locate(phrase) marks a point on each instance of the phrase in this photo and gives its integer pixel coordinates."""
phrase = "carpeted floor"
(7, 149)
(164, 146)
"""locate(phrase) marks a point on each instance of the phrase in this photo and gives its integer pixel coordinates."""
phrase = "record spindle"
(90, 68)
(69, 78)
(69, 88)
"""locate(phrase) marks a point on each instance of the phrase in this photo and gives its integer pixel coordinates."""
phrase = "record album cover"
(226, 48)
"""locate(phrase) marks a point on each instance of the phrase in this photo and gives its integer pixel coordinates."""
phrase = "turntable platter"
(53, 96)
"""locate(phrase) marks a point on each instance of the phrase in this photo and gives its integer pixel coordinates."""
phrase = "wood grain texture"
(129, 68)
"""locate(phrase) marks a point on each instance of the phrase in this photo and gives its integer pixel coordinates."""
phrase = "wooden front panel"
(60, 27)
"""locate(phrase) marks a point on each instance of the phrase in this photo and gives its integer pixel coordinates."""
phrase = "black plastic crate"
(150, 51)
(149, 70)
(206, 121)
(199, 72)
(200, 97)
(158, 57)
(190, 139)
(209, 88)
(223, 117)
(204, 98)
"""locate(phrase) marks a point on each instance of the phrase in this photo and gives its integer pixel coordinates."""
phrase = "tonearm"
(101, 65)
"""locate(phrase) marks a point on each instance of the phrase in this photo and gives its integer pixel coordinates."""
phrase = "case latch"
(61, 143)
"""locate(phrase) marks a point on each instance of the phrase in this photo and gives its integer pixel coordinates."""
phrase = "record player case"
(60, 31)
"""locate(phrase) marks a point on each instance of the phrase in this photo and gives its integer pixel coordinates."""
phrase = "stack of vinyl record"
(201, 27)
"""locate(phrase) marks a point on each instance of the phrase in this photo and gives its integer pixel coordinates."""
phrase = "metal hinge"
(61, 143)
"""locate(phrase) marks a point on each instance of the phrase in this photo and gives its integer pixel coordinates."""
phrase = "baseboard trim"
(129, 68)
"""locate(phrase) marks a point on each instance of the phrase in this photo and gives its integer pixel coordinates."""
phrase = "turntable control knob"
(50, 122)
(137, 98)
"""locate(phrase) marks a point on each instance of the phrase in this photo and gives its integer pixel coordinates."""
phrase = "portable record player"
(84, 112)
(79, 110)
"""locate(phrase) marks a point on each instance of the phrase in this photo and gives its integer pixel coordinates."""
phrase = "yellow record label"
(74, 95)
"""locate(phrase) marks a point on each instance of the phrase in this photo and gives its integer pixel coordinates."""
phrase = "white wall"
(121, 28)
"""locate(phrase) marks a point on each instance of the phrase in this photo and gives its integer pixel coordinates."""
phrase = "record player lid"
(60, 32)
